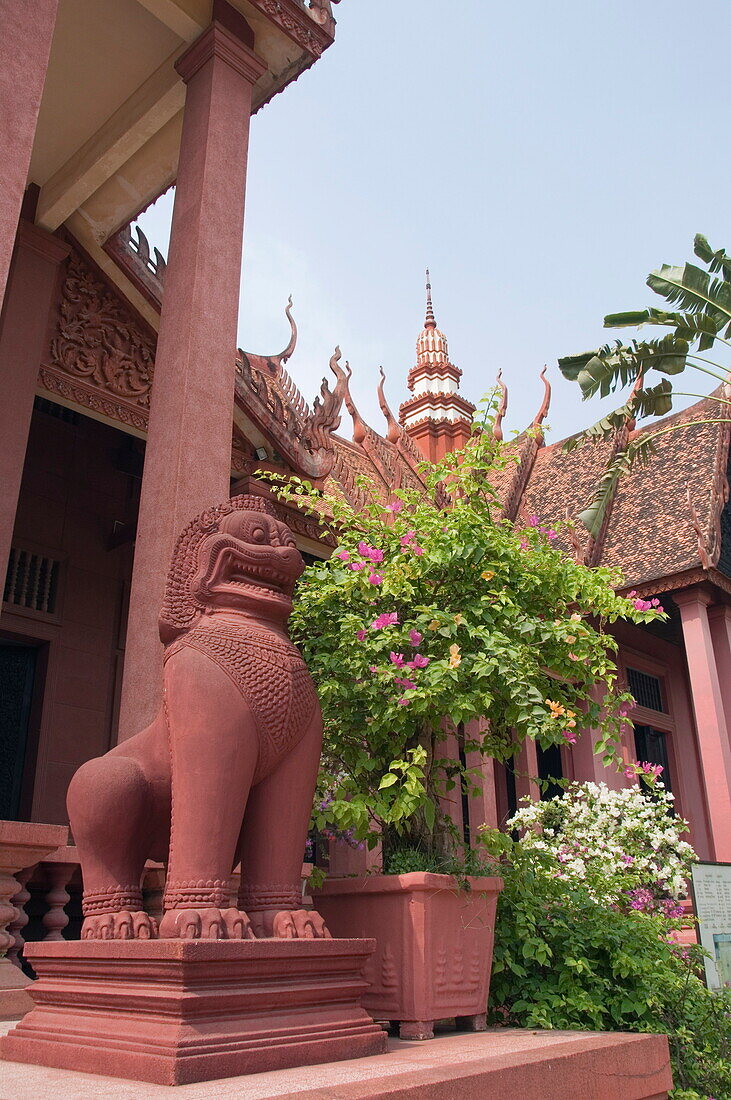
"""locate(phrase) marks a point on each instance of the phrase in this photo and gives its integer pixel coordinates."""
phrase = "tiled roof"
(665, 515)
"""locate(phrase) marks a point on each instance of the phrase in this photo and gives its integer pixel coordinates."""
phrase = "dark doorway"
(17, 680)
(550, 768)
(651, 747)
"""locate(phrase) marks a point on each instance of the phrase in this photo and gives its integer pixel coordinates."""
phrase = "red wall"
(72, 494)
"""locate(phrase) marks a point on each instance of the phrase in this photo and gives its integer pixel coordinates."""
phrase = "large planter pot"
(434, 944)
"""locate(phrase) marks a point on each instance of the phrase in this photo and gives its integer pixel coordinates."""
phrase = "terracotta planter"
(434, 944)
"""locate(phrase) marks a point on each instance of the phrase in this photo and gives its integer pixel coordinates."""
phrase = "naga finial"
(497, 428)
(289, 350)
(545, 404)
(394, 431)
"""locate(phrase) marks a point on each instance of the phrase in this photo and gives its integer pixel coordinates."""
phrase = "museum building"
(127, 410)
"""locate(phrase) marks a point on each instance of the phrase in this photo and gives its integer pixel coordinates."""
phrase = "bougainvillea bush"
(585, 923)
(434, 611)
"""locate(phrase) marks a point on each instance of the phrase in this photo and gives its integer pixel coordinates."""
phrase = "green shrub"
(571, 952)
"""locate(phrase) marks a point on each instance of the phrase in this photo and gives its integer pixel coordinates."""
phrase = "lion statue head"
(236, 556)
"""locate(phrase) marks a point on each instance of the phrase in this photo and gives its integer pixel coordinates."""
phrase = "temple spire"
(436, 417)
(429, 322)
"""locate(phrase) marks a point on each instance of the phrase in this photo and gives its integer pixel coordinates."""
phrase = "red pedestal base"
(176, 1011)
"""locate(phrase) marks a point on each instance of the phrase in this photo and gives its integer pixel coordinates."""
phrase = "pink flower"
(418, 550)
(388, 618)
(627, 860)
(356, 566)
(397, 659)
(419, 661)
(408, 685)
(630, 772)
(551, 535)
(370, 552)
(533, 521)
(524, 544)
(343, 555)
(570, 736)
(403, 701)
(395, 506)
(415, 637)
(376, 578)
(360, 635)
(373, 668)
(573, 657)
(408, 538)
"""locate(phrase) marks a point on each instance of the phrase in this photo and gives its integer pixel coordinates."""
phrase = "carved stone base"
(174, 1011)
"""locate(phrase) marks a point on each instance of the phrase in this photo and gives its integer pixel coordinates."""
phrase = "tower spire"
(429, 322)
(436, 416)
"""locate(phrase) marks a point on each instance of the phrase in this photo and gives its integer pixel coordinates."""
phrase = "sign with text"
(712, 897)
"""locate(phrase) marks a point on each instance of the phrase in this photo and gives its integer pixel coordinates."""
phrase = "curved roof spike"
(394, 431)
(284, 355)
(545, 404)
(497, 428)
(360, 428)
(429, 321)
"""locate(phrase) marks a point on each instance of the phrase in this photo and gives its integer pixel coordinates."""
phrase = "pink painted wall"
(70, 497)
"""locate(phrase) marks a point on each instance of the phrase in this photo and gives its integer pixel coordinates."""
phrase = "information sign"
(712, 898)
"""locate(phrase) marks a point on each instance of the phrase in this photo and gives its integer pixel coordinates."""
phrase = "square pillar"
(720, 619)
(25, 45)
(23, 332)
(586, 765)
(710, 715)
(188, 457)
(526, 772)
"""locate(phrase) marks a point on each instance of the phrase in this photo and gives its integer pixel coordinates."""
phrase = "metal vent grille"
(646, 689)
(32, 581)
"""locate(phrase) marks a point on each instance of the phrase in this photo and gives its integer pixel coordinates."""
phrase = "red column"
(720, 619)
(587, 765)
(23, 332)
(188, 458)
(25, 43)
(710, 718)
(526, 772)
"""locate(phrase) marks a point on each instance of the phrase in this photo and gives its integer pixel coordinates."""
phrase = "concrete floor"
(450, 1065)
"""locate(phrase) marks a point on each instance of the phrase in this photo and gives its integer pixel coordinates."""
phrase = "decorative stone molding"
(219, 41)
(311, 28)
(101, 357)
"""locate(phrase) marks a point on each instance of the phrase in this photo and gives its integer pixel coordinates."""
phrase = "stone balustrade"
(23, 844)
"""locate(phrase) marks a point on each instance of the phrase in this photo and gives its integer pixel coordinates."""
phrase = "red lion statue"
(226, 771)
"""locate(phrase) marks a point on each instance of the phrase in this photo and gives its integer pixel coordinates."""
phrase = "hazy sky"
(539, 157)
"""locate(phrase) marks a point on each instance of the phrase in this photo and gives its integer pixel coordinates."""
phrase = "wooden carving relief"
(101, 357)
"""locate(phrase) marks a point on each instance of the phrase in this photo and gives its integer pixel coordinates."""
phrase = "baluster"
(16, 926)
(13, 577)
(47, 585)
(9, 887)
(35, 581)
(57, 898)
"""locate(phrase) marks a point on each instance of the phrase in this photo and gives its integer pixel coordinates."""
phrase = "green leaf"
(387, 781)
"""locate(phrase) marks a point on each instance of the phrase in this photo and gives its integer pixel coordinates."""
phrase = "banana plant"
(700, 321)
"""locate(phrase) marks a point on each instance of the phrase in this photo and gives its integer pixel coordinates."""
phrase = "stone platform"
(500, 1064)
(178, 1011)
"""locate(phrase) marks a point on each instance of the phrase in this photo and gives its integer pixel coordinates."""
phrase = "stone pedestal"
(177, 1011)
(22, 844)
